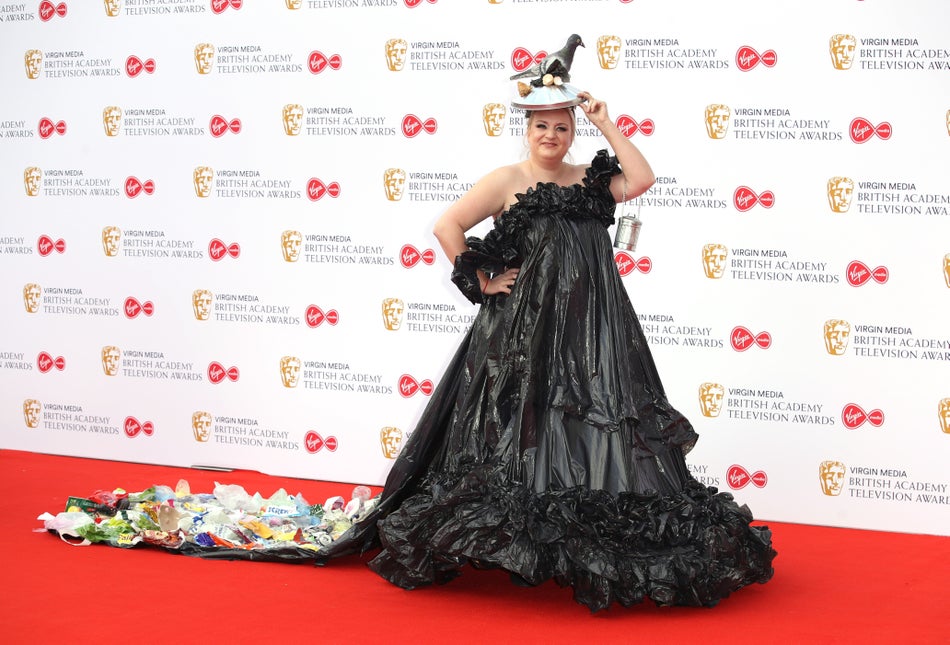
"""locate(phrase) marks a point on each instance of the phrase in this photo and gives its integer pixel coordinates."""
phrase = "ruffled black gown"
(549, 448)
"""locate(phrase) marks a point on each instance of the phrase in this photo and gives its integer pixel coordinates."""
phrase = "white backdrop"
(794, 264)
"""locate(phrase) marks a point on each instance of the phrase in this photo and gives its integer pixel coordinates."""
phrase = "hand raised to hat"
(558, 63)
(595, 109)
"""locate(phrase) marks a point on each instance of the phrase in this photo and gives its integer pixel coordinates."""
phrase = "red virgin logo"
(48, 10)
(862, 130)
(47, 128)
(218, 6)
(522, 59)
(133, 307)
(315, 316)
(738, 477)
(415, 3)
(314, 443)
(45, 245)
(853, 416)
(747, 58)
(408, 386)
(318, 61)
(133, 427)
(218, 372)
(46, 362)
(745, 198)
(218, 250)
(413, 125)
(135, 66)
(859, 273)
(134, 187)
(628, 126)
(410, 256)
(626, 264)
(220, 126)
(316, 189)
(742, 339)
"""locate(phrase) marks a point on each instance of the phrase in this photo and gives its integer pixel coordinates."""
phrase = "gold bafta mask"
(201, 304)
(394, 182)
(31, 297)
(392, 313)
(290, 371)
(112, 120)
(203, 179)
(201, 425)
(32, 177)
(396, 49)
(293, 119)
(608, 51)
(31, 412)
(294, 4)
(33, 59)
(493, 117)
(110, 240)
(946, 269)
(204, 58)
(841, 47)
(112, 7)
(943, 411)
(390, 440)
(831, 477)
(836, 336)
(710, 399)
(714, 260)
(110, 360)
(290, 242)
(840, 194)
(948, 122)
(717, 120)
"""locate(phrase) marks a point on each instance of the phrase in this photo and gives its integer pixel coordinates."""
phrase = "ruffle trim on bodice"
(501, 246)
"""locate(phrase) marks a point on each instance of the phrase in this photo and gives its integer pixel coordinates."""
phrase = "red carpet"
(830, 585)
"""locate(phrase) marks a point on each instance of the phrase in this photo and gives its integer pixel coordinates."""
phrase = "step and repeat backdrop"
(216, 248)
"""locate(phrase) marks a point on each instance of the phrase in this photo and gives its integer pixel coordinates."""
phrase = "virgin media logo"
(747, 58)
(628, 126)
(409, 386)
(738, 477)
(45, 245)
(218, 372)
(745, 199)
(858, 273)
(316, 189)
(522, 59)
(218, 250)
(862, 130)
(742, 339)
(218, 6)
(314, 316)
(48, 10)
(133, 307)
(135, 186)
(853, 416)
(47, 128)
(314, 443)
(626, 264)
(46, 362)
(135, 66)
(318, 61)
(410, 256)
(415, 3)
(220, 126)
(133, 427)
(413, 125)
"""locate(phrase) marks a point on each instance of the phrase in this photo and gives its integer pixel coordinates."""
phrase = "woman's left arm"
(636, 169)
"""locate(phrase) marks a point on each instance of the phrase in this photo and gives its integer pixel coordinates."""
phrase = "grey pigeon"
(557, 63)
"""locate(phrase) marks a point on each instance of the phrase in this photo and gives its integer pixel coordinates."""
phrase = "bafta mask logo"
(110, 360)
(837, 333)
(204, 58)
(493, 118)
(290, 242)
(293, 5)
(33, 59)
(717, 120)
(943, 412)
(290, 371)
(32, 177)
(31, 412)
(110, 240)
(396, 49)
(394, 182)
(946, 269)
(392, 313)
(608, 51)
(841, 47)
(112, 120)
(840, 194)
(714, 260)
(112, 7)
(710, 399)
(201, 304)
(293, 119)
(948, 122)
(390, 440)
(203, 179)
(831, 477)
(31, 297)
(201, 425)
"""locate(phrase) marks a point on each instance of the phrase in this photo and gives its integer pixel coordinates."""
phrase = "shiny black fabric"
(549, 448)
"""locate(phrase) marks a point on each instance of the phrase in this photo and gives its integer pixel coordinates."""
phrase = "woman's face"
(550, 134)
